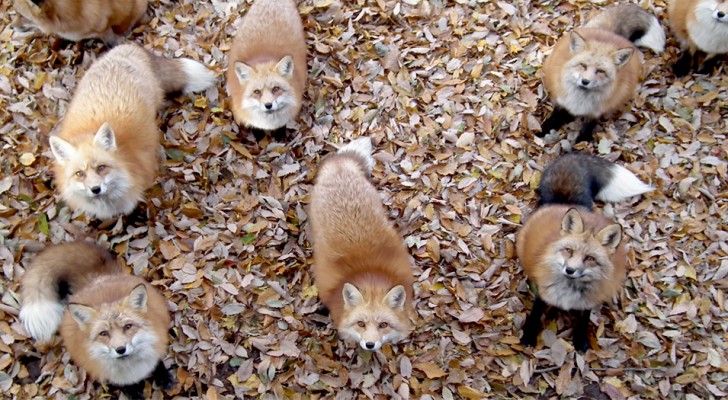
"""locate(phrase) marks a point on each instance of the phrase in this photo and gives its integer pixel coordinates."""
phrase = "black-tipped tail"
(633, 23)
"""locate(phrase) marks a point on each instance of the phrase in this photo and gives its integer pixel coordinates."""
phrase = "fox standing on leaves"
(574, 256)
(106, 151)
(594, 71)
(700, 26)
(115, 325)
(361, 266)
(267, 67)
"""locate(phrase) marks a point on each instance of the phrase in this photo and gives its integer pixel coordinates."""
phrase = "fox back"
(361, 265)
(116, 329)
(267, 66)
(575, 257)
(700, 24)
(592, 72)
(80, 19)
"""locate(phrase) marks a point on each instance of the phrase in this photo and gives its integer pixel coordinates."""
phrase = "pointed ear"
(81, 314)
(285, 66)
(576, 42)
(396, 297)
(137, 298)
(243, 71)
(62, 150)
(611, 236)
(352, 296)
(105, 138)
(572, 222)
(622, 56)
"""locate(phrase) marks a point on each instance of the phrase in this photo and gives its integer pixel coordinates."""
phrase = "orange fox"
(114, 325)
(700, 26)
(267, 67)
(106, 151)
(593, 71)
(362, 268)
(76, 20)
(575, 257)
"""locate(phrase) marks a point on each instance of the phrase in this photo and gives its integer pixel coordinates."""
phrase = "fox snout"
(371, 346)
(573, 273)
(721, 16)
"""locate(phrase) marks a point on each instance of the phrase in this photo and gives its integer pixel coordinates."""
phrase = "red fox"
(106, 151)
(76, 20)
(361, 266)
(574, 256)
(700, 26)
(594, 71)
(114, 325)
(267, 67)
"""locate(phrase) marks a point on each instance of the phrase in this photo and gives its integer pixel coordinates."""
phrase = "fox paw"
(529, 340)
(581, 343)
(163, 377)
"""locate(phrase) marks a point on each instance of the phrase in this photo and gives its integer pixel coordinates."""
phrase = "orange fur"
(683, 17)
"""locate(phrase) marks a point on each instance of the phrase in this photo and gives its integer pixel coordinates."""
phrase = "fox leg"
(586, 134)
(708, 64)
(134, 391)
(162, 377)
(532, 327)
(280, 134)
(558, 118)
(581, 330)
(259, 134)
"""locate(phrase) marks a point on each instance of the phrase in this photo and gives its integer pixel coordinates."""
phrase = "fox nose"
(268, 106)
(121, 350)
(720, 14)
(569, 271)
(585, 81)
(370, 345)
(96, 189)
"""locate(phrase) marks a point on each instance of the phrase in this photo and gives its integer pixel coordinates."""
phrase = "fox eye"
(361, 324)
(100, 168)
(256, 92)
(601, 71)
(582, 65)
(104, 333)
(275, 89)
(383, 325)
(589, 259)
(569, 251)
(127, 327)
(80, 174)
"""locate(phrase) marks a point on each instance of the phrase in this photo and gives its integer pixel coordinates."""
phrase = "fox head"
(91, 170)
(718, 9)
(268, 90)
(580, 254)
(117, 330)
(593, 66)
(374, 318)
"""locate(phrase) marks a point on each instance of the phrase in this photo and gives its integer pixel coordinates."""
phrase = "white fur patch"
(135, 367)
(363, 148)
(581, 103)
(41, 318)
(709, 34)
(272, 119)
(199, 77)
(115, 200)
(654, 38)
(623, 185)
(562, 295)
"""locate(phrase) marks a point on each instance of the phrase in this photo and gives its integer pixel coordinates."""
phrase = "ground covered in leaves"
(451, 93)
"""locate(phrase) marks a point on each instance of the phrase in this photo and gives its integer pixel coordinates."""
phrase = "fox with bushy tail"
(113, 325)
(575, 257)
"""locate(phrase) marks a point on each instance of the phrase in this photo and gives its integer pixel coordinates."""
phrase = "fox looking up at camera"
(361, 265)
(701, 26)
(595, 70)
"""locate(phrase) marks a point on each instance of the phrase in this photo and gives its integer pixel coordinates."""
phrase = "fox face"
(268, 92)
(373, 321)
(593, 68)
(91, 172)
(117, 331)
(718, 9)
(581, 256)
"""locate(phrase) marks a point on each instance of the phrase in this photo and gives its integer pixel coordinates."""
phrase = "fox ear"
(611, 236)
(137, 298)
(572, 222)
(396, 297)
(243, 71)
(62, 150)
(622, 56)
(105, 138)
(81, 314)
(352, 296)
(576, 42)
(285, 66)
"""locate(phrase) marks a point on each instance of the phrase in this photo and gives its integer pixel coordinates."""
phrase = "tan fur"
(353, 242)
(270, 30)
(601, 44)
(534, 243)
(108, 20)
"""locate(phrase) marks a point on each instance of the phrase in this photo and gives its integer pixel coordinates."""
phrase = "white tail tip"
(363, 148)
(41, 319)
(623, 185)
(654, 38)
(199, 77)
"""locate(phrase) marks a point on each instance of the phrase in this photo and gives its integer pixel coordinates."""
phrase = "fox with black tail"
(594, 71)
(114, 325)
(575, 257)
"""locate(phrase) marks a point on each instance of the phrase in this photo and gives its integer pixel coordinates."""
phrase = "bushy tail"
(54, 274)
(362, 149)
(579, 179)
(634, 23)
(182, 74)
